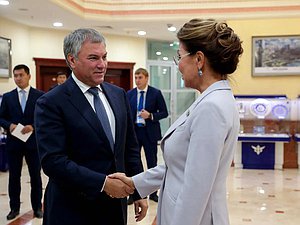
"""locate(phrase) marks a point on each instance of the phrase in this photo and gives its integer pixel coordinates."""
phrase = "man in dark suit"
(17, 107)
(61, 77)
(148, 107)
(83, 138)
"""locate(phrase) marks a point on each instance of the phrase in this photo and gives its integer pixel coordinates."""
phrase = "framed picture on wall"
(276, 55)
(5, 57)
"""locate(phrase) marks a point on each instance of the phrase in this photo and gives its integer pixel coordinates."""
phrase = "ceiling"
(126, 17)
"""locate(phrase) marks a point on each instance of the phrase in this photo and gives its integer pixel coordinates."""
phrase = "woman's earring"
(200, 72)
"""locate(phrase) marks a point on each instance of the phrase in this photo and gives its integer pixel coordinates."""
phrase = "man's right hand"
(116, 188)
(123, 178)
(12, 127)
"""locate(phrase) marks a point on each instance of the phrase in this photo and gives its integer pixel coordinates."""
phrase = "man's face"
(61, 78)
(21, 78)
(141, 80)
(91, 65)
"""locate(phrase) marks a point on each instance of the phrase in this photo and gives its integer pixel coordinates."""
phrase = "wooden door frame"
(123, 65)
(39, 62)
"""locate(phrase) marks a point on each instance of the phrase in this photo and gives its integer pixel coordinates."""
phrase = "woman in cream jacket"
(198, 148)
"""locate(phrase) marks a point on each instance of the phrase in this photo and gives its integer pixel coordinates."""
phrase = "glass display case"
(264, 130)
(297, 139)
(3, 153)
(297, 129)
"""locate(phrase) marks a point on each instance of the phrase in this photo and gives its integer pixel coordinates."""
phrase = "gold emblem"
(258, 149)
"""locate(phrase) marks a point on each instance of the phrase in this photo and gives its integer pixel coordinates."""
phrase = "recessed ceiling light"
(165, 58)
(158, 53)
(172, 28)
(57, 24)
(142, 33)
(4, 2)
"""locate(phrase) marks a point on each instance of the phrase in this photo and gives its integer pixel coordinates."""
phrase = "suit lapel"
(79, 101)
(114, 102)
(29, 99)
(17, 101)
(134, 102)
(148, 97)
(220, 85)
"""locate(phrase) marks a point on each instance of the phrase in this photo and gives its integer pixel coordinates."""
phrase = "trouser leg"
(34, 168)
(15, 163)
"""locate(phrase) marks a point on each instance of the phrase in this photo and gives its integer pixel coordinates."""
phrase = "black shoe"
(153, 198)
(12, 214)
(130, 200)
(38, 213)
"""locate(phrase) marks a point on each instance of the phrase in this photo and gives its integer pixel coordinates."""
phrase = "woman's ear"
(200, 59)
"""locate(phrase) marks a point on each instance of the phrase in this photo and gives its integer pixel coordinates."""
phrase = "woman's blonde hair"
(220, 45)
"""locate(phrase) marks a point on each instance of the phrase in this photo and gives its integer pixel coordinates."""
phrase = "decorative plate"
(260, 107)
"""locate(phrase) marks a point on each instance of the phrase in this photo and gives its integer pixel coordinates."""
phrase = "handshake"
(118, 185)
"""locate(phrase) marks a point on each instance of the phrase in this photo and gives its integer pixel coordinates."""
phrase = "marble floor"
(255, 197)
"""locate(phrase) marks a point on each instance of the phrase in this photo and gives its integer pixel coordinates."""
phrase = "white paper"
(17, 133)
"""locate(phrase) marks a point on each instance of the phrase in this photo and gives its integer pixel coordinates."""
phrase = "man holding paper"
(17, 118)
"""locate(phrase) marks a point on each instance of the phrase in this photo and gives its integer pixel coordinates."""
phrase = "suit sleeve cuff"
(151, 116)
(103, 184)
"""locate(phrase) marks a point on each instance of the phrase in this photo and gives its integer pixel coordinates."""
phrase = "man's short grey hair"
(74, 41)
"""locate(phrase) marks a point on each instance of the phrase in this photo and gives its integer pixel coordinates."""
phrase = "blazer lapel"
(177, 123)
(220, 85)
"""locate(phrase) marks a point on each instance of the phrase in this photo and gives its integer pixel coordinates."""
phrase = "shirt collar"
(83, 87)
(145, 89)
(25, 89)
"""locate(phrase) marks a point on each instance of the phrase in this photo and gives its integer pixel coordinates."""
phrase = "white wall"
(127, 49)
(20, 47)
(28, 43)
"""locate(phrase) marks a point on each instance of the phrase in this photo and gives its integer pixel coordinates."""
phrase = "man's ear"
(71, 60)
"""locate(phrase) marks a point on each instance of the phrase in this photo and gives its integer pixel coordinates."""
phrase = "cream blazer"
(198, 150)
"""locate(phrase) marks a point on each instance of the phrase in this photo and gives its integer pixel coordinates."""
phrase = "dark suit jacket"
(154, 104)
(11, 112)
(76, 155)
(53, 86)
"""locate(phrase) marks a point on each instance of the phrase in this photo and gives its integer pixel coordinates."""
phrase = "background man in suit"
(17, 106)
(61, 77)
(148, 107)
(81, 143)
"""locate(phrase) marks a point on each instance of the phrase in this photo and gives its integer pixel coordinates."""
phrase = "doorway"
(165, 76)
